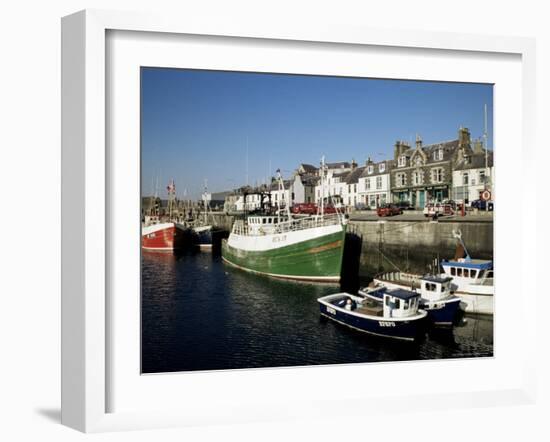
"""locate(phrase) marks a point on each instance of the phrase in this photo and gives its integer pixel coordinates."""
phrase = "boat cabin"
(262, 224)
(400, 303)
(466, 271)
(435, 288)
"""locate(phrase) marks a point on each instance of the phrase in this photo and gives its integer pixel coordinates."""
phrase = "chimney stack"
(463, 137)
(397, 150)
(418, 142)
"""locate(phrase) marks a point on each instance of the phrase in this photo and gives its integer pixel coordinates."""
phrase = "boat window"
(453, 271)
(264, 221)
(466, 273)
(405, 305)
(459, 272)
(473, 273)
(397, 303)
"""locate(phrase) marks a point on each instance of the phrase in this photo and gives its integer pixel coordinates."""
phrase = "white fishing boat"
(472, 279)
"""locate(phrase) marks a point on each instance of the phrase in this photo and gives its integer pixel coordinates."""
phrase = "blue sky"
(196, 125)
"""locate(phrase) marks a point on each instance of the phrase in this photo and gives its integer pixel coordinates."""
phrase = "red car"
(311, 209)
(388, 210)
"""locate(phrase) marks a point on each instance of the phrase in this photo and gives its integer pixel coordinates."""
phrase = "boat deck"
(402, 282)
(370, 310)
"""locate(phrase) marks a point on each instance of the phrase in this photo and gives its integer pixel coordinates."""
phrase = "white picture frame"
(85, 199)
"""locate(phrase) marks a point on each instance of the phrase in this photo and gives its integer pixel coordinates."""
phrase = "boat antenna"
(247, 160)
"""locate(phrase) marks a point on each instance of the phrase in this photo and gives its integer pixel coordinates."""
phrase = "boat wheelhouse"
(278, 244)
(395, 315)
(436, 297)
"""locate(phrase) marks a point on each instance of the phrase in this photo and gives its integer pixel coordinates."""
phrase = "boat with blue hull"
(436, 298)
(396, 315)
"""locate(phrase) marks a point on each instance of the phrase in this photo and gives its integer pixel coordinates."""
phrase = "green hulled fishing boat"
(283, 245)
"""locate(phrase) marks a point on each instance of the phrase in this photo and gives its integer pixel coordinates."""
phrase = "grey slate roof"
(354, 175)
(308, 168)
(338, 165)
(475, 161)
(390, 164)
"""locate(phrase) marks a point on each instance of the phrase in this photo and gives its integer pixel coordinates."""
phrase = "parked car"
(439, 209)
(362, 206)
(482, 205)
(388, 210)
(405, 205)
(311, 209)
(304, 208)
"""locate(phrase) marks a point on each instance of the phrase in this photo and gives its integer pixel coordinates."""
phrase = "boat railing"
(294, 224)
(484, 281)
(400, 276)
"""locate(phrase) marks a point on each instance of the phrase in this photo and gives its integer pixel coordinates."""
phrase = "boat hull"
(202, 237)
(405, 330)
(442, 312)
(318, 258)
(164, 237)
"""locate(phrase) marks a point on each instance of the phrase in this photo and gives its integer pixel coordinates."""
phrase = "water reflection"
(199, 313)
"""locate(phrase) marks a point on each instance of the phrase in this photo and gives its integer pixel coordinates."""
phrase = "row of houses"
(457, 169)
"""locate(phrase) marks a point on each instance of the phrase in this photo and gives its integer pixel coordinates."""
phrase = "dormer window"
(402, 161)
(382, 167)
(438, 155)
(370, 169)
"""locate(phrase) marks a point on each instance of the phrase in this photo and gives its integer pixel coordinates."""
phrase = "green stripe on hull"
(315, 259)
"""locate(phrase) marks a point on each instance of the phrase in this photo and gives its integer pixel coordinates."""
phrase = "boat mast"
(486, 151)
(205, 201)
(322, 185)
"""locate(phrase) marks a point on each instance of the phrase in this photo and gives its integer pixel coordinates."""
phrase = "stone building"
(424, 173)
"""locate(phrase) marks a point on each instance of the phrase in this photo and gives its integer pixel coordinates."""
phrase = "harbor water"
(199, 313)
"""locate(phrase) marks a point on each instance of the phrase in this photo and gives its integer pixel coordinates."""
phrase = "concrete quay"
(408, 242)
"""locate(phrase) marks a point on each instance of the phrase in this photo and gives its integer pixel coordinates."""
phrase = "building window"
(437, 175)
(355, 188)
(482, 177)
(402, 161)
(367, 184)
(378, 182)
(465, 179)
(382, 167)
(400, 179)
(369, 169)
(438, 155)
(417, 178)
